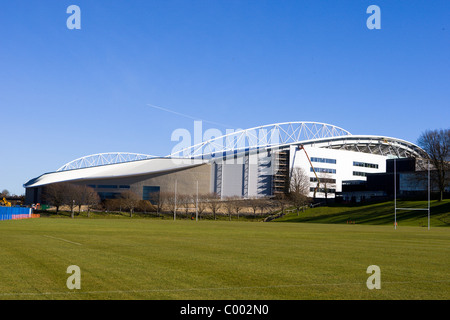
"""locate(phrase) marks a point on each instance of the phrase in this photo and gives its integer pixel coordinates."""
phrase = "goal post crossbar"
(409, 209)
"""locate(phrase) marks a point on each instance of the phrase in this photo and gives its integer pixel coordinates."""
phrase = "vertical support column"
(245, 176)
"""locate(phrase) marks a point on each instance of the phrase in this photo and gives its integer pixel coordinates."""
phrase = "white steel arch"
(266, 136)
(101, 159)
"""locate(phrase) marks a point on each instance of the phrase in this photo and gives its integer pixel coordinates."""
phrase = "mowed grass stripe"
(149, 259)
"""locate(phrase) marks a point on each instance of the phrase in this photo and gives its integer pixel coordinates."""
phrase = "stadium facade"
(256, 162)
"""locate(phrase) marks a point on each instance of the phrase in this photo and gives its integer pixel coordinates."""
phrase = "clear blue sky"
(69, 93)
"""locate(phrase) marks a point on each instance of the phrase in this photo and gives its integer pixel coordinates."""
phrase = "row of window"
(323, 170)
(323, 190)
(324, 180)
(360, 174)
(365, 165)
(323, 160)
(355, 163)
(109, 186)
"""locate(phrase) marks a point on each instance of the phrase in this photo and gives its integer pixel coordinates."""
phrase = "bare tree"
(56, 194)
(437, 145)
(254, 204)
(281, 201)
(185, 201)
(214, 203)
(299, 188)
(328, 184)
(130, 201)
(229, 206)
(263, 204)
(172, 203)
(4, 193)
(237, 205)
(158, 199)
(91, 199)
(79, 194)
(200, 203)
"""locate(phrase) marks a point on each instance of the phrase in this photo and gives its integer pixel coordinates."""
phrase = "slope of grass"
(162, 259)
(376, 214)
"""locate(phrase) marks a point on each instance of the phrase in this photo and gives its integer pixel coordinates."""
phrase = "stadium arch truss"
(101, 159)
(260, 146)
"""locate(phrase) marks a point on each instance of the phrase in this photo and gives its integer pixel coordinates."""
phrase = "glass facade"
(365, 165)
(323, 190)
(148, 193)
(327, 180)
(323, 160)
(323, 170)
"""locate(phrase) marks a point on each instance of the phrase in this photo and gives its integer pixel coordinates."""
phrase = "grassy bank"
(376, 214)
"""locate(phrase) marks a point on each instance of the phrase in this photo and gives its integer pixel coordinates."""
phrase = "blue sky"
(243, 63)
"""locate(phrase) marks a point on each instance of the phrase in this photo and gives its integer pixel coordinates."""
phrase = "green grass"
(376, 214)
(183, 259)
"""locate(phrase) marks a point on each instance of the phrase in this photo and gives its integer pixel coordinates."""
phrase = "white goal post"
(409, 209)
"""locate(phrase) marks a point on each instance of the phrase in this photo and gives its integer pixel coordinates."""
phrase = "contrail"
(188, 116)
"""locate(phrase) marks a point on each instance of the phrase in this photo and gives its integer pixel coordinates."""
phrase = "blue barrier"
(13, 213)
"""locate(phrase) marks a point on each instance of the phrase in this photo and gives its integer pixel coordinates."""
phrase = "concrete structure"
(256, 162)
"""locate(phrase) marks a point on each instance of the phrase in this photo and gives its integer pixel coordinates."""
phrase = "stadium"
(250, 163)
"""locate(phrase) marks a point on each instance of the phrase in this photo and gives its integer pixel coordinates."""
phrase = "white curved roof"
(134, 168)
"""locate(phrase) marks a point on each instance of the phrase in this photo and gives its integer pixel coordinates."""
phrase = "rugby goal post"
(410, 209)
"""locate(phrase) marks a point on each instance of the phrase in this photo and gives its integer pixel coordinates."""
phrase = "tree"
(254, 204)
(91, 199)
(281, 200)
(237, 205)
(214, 203)
(327, 183)
(229, 206)
(436, 144)
(55, 194)
(130, 201)
(172, 200)
(185, 201)
(4, 193)
(299, 188)
(159, 200)
(200, 203)
(79, 195)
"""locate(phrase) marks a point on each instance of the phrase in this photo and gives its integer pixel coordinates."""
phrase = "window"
(361, 174)
(365, 165)
(106, 186)
(323, 190)
(150, 193)
(323, 160)
(323, 170)
(324, 180)
(108, 195)
(124, 187)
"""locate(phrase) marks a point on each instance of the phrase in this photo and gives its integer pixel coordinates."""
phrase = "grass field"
(164, 259)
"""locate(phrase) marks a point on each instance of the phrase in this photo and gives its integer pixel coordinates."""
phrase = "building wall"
(342, 170)
(245, 176)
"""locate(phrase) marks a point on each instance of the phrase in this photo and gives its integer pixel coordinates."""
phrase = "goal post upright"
(428, 209)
